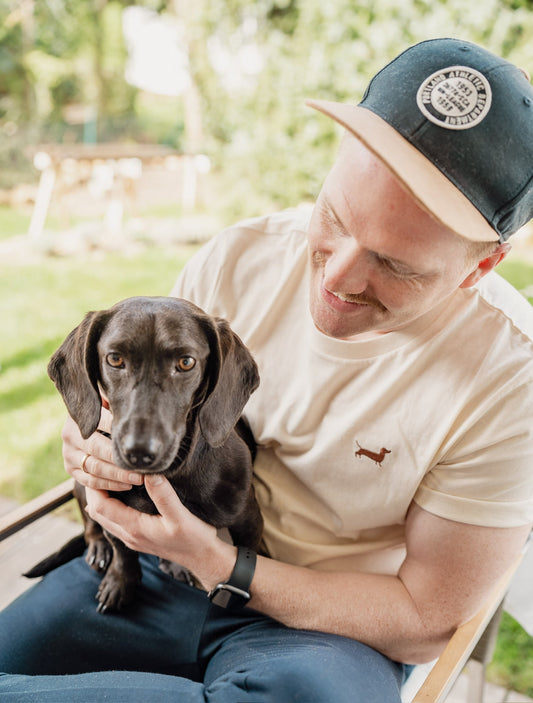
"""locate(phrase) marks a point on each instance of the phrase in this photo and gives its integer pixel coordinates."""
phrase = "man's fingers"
(105, 419)
(90, 461)
(97, 473)
(98, 483)
(129, 525)
(165, 498)
(104, 510)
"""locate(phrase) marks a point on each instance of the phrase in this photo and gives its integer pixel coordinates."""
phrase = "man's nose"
(347, 269)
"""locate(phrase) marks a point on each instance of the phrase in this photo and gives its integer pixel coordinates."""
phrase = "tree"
(310, 48)
(252, 66)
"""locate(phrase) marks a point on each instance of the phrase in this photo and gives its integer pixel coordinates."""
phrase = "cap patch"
(457, 97)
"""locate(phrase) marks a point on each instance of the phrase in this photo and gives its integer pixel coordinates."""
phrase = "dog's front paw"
(99, 554)
(115, 592)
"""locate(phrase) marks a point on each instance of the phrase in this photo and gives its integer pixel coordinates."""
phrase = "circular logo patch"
(457, 97)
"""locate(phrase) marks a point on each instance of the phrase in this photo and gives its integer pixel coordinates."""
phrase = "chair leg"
(484, 649)
(476, 681)
(481, 657)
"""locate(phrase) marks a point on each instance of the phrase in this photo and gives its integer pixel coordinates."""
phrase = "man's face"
(378, 261)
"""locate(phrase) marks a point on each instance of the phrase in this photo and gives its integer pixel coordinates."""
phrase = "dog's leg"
(99, 551)
(117, 588)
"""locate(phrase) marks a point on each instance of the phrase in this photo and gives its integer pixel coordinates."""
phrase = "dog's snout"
(140, 454)
(140, 458)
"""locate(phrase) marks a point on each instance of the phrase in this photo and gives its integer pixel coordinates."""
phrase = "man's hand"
(175, 534)
(100, 471)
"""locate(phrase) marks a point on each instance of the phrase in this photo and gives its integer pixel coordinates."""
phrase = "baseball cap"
(454, 123)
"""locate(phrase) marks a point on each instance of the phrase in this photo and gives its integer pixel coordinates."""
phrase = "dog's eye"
(186, 363)
(115, 360)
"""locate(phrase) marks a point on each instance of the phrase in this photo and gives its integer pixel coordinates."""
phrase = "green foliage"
(262, 132)
(520, 273)
(17, 94)
(60, 27)
(65, 90)
(512, 666)
(253, 65)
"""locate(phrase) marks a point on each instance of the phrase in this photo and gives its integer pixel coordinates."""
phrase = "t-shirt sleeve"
(487, 476)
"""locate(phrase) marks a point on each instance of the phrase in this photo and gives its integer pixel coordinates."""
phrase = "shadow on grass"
(32, 481)
(43, 351)
(26, 394)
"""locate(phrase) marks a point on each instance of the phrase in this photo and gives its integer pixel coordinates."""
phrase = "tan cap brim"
(429, 186)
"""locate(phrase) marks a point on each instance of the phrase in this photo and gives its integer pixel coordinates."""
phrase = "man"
(393, 422)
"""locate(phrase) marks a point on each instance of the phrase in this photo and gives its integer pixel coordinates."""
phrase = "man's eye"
(186, 363)
(397, 269)
(115, 360)
(332, 219)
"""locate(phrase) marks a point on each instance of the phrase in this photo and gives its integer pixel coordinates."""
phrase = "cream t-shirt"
(351, 432)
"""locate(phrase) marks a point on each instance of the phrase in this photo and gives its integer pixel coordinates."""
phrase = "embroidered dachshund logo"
(375, 456)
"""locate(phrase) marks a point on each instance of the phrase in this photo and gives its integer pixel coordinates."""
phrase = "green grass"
(512, 665)
(519, 273)
(12, 222)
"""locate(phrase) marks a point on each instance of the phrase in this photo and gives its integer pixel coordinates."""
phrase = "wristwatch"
(235, 592)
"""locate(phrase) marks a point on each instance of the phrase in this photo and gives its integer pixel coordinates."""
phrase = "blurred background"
(131, 133)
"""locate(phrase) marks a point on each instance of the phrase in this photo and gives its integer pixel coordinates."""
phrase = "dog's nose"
(140, 457)
(139, 444)
(140, 452)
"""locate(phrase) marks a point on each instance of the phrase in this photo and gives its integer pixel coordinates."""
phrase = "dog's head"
(167, 370)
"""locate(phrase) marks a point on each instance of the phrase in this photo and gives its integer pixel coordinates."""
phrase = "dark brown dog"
(176, 380)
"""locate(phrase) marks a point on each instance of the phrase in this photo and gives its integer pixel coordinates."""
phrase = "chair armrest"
(36, 508)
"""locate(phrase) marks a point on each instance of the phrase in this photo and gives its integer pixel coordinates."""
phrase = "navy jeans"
(173, 645)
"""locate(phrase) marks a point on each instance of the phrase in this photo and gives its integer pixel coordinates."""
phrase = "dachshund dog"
(176, 380)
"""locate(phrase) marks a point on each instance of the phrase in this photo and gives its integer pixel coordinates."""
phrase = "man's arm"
(448, 572)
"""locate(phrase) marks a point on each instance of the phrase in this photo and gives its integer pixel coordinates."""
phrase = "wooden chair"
(473, 642)
(36, 508)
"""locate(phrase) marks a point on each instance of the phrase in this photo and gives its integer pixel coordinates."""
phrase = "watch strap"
(235, 592)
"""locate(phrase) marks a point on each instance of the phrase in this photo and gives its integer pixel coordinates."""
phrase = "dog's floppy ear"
(74, 369)
(233, 378)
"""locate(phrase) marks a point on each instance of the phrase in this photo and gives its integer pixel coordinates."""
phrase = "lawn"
(41, 302)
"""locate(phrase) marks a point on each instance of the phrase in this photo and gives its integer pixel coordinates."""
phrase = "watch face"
(221, 597)
(234, 593)
(227, 596)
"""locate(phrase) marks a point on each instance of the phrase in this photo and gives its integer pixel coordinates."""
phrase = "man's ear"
(486, 265)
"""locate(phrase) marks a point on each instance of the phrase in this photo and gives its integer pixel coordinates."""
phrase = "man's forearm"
(372, 608)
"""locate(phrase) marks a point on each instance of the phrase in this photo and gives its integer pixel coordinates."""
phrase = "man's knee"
(324, 672)
(310, 667)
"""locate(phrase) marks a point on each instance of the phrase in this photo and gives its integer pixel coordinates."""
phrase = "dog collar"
(235, 592)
